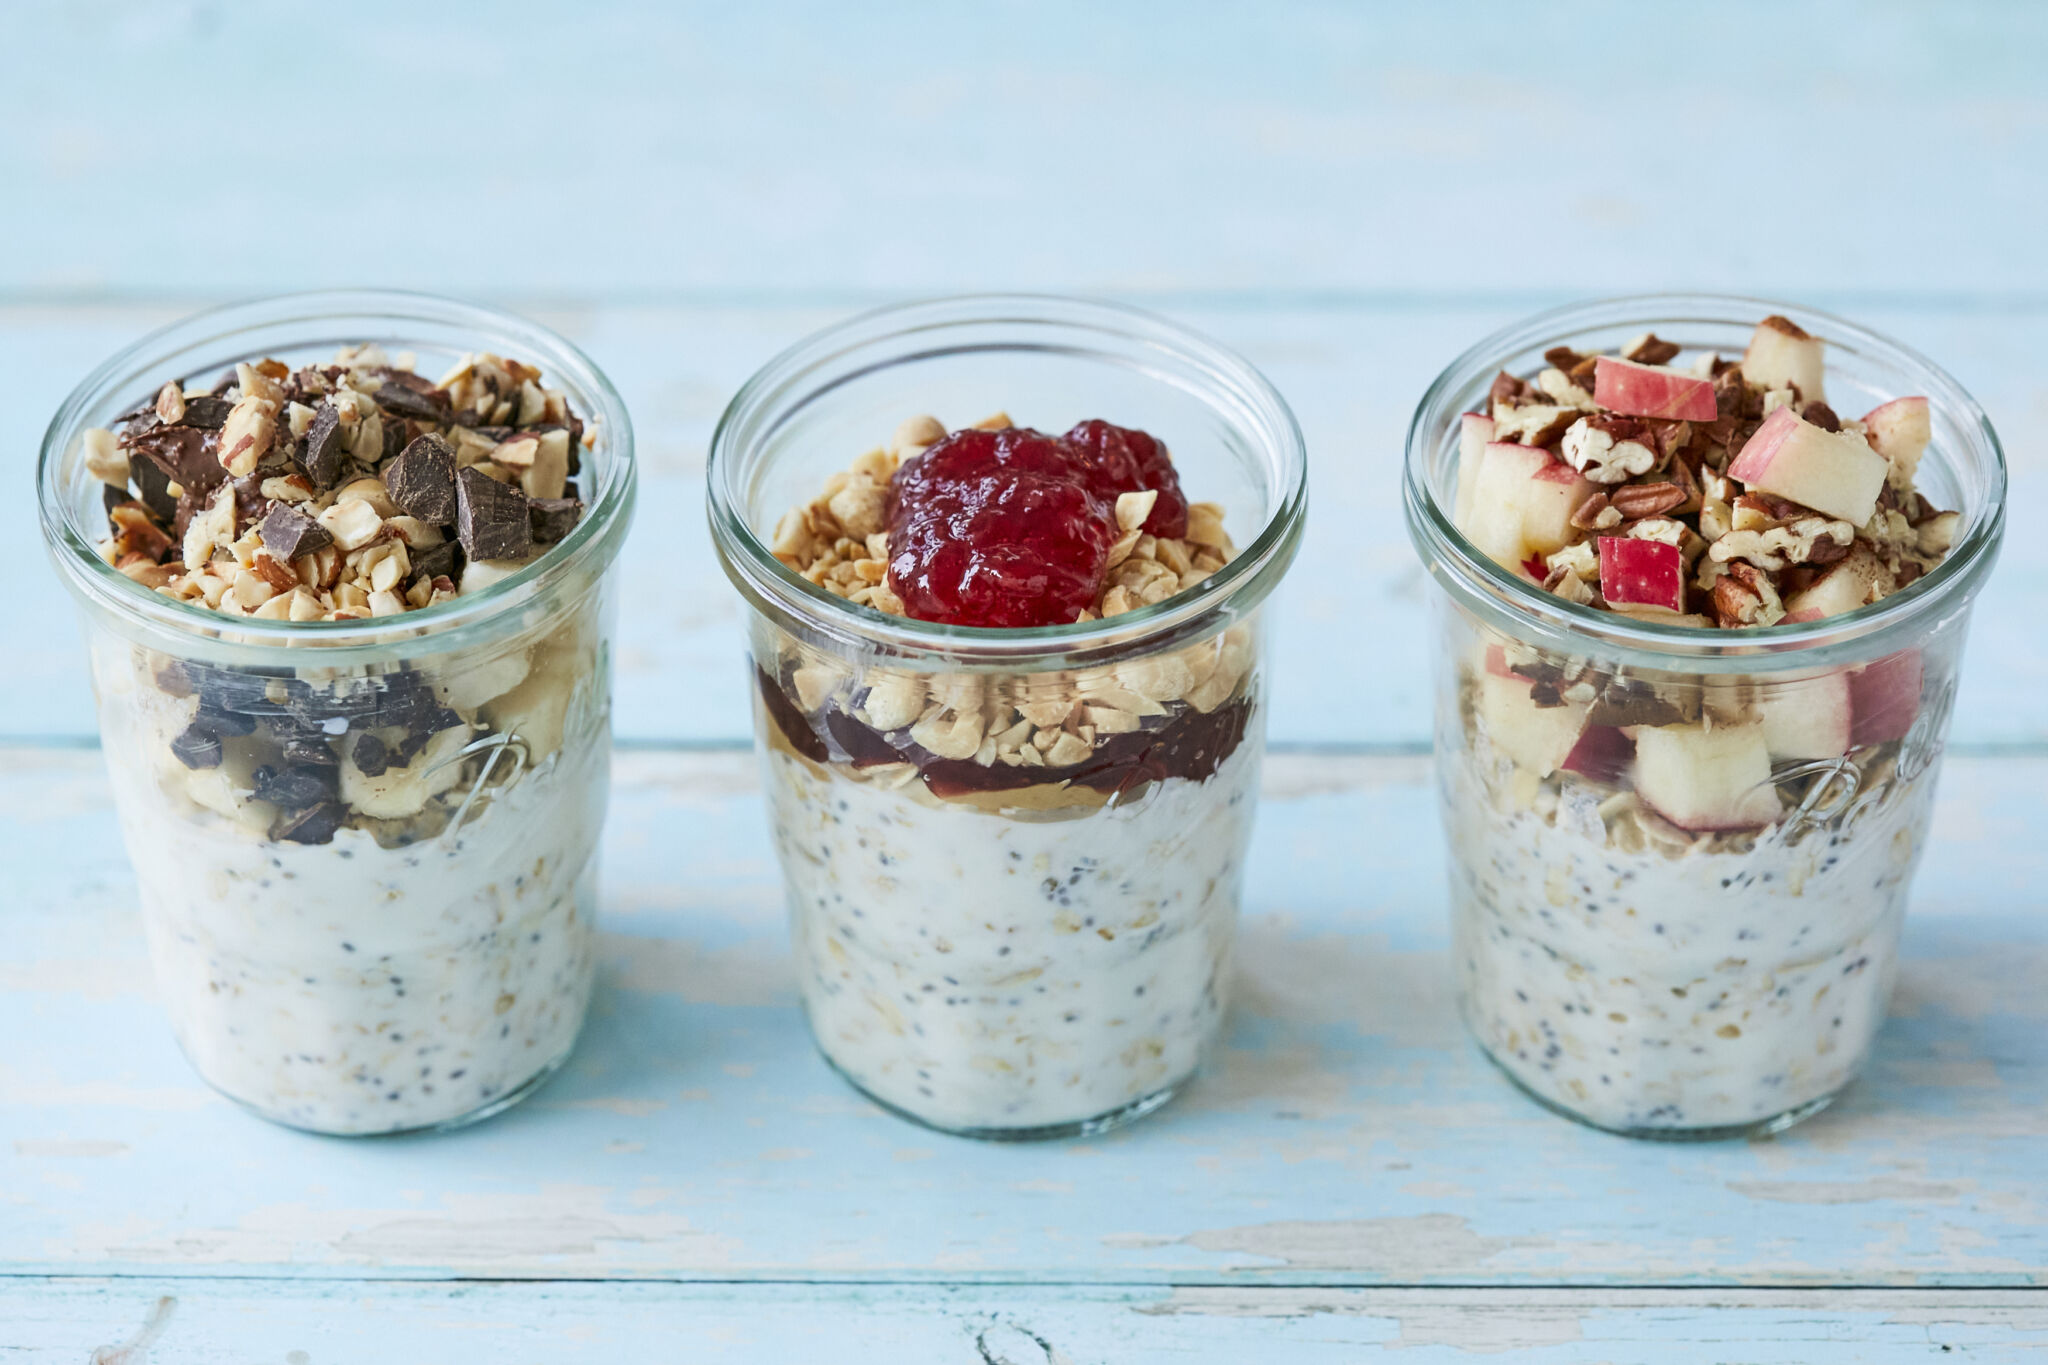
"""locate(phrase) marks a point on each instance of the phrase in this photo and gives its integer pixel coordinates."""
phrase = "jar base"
(1768, 1126)
(1078, 1128)
(490, 1108)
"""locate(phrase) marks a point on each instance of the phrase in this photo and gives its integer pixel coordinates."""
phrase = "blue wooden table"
(1348, 195)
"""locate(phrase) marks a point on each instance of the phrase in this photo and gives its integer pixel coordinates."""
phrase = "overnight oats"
(1009, 698)
(1698, 647)
(348, 618)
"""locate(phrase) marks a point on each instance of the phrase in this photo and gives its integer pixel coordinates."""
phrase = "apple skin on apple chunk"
(1835, 472)
(1537, 738)
(1899, 431)
(1633, 390)
(1642, 573)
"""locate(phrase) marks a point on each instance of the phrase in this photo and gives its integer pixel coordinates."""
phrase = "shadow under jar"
(994, 947)
(1680, 855)
(364, 848)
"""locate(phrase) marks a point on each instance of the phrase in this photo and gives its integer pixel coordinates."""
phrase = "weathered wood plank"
(1354, 602)
(1348, 1134)
(559, 1324)
(863, 151)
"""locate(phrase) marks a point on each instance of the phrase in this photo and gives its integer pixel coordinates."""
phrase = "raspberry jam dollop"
(1011, 529)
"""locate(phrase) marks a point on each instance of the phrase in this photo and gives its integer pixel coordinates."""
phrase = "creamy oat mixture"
(1677, 899)
(1013, 897)
(368, 893)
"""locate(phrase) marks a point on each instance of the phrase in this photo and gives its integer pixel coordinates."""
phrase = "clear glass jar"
(430, 963)
(1679, 857)
(984, 948)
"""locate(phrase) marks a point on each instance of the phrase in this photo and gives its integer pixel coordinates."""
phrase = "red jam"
(1011, 529)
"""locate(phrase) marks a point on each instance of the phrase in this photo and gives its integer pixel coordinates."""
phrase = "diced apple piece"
(1707, 777)
(1835, 472)
(1899, 431)
(1781, 352)
(1538, 738)
(1807, 717)
(1885, 697)
(1602, 753)
(1635, 390)
(1856, 580)
(1475, 430)
(1642, 573)
(1523, 502)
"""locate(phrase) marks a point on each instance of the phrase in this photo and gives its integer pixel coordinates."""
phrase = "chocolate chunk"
(410, 395)
(436, 561)
(288, 533)
(322, 458)
(206, 412)
(313, 825)
(422, 480)
(112, 497)
(490, 518)
(153, 489)
(197, 746)
(293, 788)
(222, 721)
(186, 455)
(371, 755)
(307, 750)
(250, 504)
(553, 518)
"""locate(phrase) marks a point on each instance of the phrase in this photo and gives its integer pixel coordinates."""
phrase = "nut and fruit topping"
(338, 492)
(996, 525)
(1725, 494)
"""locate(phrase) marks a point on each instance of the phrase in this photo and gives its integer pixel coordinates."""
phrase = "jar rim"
(1477, 579)
(596, 535)
(778, 391)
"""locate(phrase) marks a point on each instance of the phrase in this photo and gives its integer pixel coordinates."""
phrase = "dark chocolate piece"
(553, 518)
(197, 746)
(206, 412)
(322, 458)
(409, 395)
(371, 755)
(288, 533)
(436, 561)
(153, 490)
(422, 480)
(112, 497)
(490, 518)
(186, 455)
(308, 750)
(293, 788)
(313, 825)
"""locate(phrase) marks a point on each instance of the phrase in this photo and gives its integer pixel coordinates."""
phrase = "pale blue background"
(1349, 194)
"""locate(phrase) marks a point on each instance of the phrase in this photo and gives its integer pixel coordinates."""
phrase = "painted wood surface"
(1348, 1134)
(1350, 195)
(313, 1322)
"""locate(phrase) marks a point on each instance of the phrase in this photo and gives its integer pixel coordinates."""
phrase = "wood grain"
(1348, 1133)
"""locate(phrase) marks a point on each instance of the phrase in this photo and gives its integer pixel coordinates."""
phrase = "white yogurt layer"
(1012, 971)
(350, 988)
(1650, 992)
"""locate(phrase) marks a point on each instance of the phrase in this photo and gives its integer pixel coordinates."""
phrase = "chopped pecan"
(1635, 500)
(1821, 415)
(1507, 389)
(1608, 449)
(1562, 357)
(1594, 514)
(1744, 596)
(1648, 350)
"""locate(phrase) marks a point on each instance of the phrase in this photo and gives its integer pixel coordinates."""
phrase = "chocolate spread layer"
(1184, 743)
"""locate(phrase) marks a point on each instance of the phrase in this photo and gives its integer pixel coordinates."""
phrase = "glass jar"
(416, 952)
(991, 943)
(1679, 857)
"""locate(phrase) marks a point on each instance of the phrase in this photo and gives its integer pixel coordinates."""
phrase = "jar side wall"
(1019, 965)
(1617, 956)
(433, 952)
